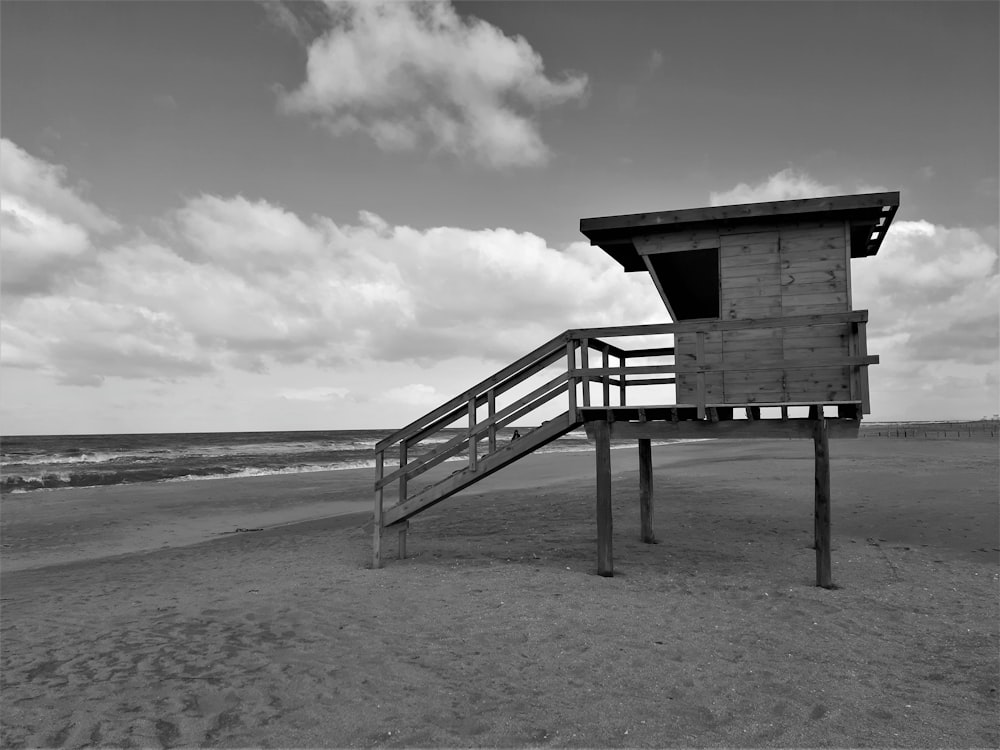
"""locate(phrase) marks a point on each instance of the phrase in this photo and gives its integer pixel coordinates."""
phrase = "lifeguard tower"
(764, 345)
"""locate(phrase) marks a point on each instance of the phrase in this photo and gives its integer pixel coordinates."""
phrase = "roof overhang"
(868, 214)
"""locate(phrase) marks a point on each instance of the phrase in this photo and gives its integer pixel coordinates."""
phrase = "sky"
(222, 216)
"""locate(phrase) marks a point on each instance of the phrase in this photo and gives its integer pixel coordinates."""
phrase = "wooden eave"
(868, 214)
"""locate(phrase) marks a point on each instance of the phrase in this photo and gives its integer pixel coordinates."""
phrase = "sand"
(142, 617)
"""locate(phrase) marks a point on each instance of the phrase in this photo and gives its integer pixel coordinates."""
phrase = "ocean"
(33, 463)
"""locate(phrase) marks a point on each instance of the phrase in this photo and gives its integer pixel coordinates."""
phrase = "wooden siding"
(685, 352)
(814, 270)
(772, 271)
(750, 275)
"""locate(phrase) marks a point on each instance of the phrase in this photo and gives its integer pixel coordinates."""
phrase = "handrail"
(463, 398)
(711, 325)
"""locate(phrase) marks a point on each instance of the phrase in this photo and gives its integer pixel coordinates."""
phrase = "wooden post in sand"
(646, 491)
(377, 516)
(822, 504)
(602, 448)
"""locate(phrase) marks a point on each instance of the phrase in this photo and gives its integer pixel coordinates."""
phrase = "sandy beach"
(244, 613)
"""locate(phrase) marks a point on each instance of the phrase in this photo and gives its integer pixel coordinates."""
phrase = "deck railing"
(573, 349)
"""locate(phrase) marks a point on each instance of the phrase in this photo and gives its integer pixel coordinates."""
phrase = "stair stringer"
(486, 465)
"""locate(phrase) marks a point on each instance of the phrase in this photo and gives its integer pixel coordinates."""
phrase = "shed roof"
(869, 215)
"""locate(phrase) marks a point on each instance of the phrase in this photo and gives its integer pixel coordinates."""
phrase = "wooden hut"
(760, 296)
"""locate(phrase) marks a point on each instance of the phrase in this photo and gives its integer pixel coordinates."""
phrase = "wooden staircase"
(482, 418)
(562, 368)
(485, 465)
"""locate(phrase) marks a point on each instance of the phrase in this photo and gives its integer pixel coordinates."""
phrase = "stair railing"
(574, 348)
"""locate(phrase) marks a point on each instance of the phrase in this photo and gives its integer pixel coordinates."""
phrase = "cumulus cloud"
(415, 394)
(413, 73)
(47, 225)
(240, 283)
(787, 184)
(302, 19)
(313, 394)
(933, 294)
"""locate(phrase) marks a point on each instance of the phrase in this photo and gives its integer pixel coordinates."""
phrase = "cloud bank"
(47, 225)
(239, 283)
(413, 73)
(784, 185)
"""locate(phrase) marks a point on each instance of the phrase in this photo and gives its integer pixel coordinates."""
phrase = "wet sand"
(143, 617)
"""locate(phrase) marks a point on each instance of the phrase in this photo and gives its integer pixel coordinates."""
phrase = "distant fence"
(984, 429)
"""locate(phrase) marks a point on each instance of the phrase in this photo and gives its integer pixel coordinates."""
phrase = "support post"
(404, 447)
(570, 366)
(401, 547)
(606, 376)
(822, 504)
(621, 380)
(491, 402)
(473, 436)
(377, 515)
(646, 491)
(602, 439)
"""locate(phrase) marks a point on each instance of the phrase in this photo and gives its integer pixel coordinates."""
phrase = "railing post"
(866, 407)
(491, 402)
(699, 360)
(585, 364)
(404, 446)
(377, 515)
(621, 380)
(571, 378)
(606, 375)
(473, 437)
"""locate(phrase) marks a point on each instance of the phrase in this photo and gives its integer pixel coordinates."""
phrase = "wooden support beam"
(473, 435)
(377, 515)
(602, 450)
(822, 504)
(708, 326)
(606, 379)
(404, 447)
(646, 491)
(400, 528)
(491, 401)
(570, 366)
(585, 365)
(863, 372)
(734, 429)
(621, 381)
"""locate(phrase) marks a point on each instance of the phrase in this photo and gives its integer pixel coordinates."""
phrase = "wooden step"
(486, 465)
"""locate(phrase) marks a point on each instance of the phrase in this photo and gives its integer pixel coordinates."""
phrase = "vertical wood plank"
(606, 376)
(822, 504)
(377, 515)
(473, 437)
(491, 405)
(404, 447)
(646, 491)
(570, 366)
(584, 364)
(621, 380)
(847, 262)
(602, 449)
(401, 546)
(699, 358)
(866, 407)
